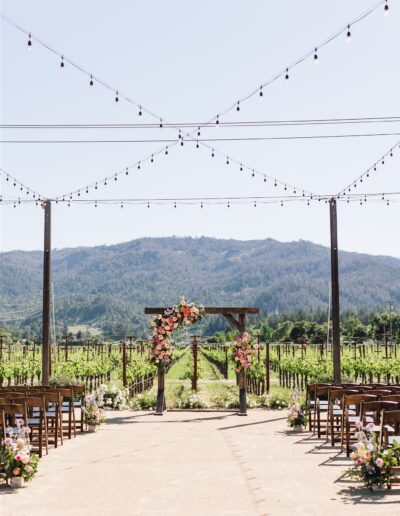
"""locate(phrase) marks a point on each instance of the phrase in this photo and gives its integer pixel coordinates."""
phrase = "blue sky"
(187, 61)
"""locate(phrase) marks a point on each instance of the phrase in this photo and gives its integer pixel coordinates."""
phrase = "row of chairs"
(337, 410)
(49, 412)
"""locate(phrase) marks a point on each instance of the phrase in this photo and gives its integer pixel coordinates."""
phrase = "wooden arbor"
(237, 318)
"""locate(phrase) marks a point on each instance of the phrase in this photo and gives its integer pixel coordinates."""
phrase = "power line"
(234, 124)
(199, 141)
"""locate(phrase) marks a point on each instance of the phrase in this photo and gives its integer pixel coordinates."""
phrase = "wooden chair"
(390, 428)
(335, 413)
(66, 408)
(352, 416)
(13, 411)
(37, 421)
(2, 424)
(53, 415)
(321, 403)
(391, 397)
(79, 392)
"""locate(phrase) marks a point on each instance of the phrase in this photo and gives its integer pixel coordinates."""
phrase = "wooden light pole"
(335, 292)
(46, 294)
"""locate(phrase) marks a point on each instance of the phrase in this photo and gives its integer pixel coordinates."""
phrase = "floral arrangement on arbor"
(297, 412)
(244, 349)
(111, 397)
(15, 454)
(163, 325)
(372, 462)
(93, 414)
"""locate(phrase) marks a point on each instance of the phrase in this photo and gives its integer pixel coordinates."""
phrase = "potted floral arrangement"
(297, 418)
(111, 397)
(372, 462)
(93, 415)
(19, 465)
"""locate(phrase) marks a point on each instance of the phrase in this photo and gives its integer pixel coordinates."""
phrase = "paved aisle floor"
(194, 464)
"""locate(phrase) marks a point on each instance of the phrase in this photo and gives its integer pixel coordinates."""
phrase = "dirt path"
(194, 464)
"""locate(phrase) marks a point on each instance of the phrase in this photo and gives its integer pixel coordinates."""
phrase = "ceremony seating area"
(52, 413)
(338, 412)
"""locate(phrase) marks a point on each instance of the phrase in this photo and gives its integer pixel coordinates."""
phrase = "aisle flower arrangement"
(93, 414)
(111, 397)
(19, 465)
(372, 462)
(244, 349)
(163, 325)
(297, 417)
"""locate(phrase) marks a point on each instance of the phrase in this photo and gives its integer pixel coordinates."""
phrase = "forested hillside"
(110, 285)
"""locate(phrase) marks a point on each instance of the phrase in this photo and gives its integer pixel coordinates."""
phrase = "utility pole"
(335, 292)
(46, 294)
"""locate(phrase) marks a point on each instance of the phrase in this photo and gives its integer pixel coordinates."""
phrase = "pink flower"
(26, 429)
(379, 462)
(8, 441)
(18, 456)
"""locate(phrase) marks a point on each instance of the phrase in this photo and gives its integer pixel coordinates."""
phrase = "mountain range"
(112, 284)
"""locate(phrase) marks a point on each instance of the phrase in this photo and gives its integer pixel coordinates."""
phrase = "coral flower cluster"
(163, 325)
(245, 348)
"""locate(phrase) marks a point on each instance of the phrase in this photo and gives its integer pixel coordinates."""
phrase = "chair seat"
(77, 404)
(33, 421)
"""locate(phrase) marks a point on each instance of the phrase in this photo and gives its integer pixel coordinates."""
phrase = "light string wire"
(16, 183)
(373, 168)
(215, 118)
(227, 200)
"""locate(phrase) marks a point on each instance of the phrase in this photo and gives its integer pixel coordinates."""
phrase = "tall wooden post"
(46, 294)
(226, 363)
(335, 292)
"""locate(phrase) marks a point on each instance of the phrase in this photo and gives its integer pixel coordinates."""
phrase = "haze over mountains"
(107, 284)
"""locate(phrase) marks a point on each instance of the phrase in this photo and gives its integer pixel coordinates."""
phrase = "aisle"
(193, 464)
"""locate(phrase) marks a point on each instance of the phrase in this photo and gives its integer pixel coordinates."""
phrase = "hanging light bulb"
(212, 153)
(91, 81)
(148, 205)
(227, 160)
(62, 62)
(316, 55)
(238, 106)
(261, 92)
(287, 74)
(122, 204)
(138, 166)
(197, 144)
(140, 111)
(228, 205)
(275, 183)
(29, 42)
(198, 131)
(348, 35)
(201, 205)
(161, 124)
(255, 204)
(166, 150)
(115, 177)
(126, 171)
(386, 8)
(241, 167)
(116, 97)
(217, 120)
(174, 204)
(253, 174)
(152, 159)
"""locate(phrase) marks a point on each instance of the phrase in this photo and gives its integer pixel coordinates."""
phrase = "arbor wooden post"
(242, 374)
(195, 359)
(46, 294)
(160, 407)
(335, 292)
(226, 363)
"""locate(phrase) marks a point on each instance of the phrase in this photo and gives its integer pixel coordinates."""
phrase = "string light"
(287, 75)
